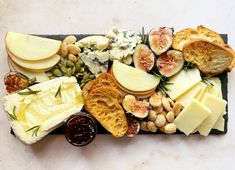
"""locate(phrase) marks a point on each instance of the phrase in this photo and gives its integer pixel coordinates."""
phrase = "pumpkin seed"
(73, 70)
(63, 62)
(81, 62)
(78, 67)
(82, 84)
(82, 70)
(57, 72)
(69, 71)
(92, 76)
(69, 63)
(63, 69)
(49, 74)
(86, 76)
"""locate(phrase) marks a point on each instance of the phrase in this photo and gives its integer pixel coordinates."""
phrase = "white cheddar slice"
(191, 117)
(219, 125)
(182, 82)
(202, 91)
(216, 88)
(217, 106)
(188, 96)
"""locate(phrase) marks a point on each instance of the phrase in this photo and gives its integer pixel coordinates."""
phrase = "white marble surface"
(142, 152)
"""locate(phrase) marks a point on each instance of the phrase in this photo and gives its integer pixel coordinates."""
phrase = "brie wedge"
(33, 116)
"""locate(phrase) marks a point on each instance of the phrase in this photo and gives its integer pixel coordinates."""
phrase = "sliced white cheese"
(216, 88)
(202, 91)
(44, 110)
(182, 82)
(191, 117)
(189, 95)
(219, 125)
(217, 107)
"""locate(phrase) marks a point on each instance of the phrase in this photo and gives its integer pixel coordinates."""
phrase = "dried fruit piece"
(80, 129)
(160, 39)
(133, 126)
(143, 58)
(15, 81)
(170, 63)
(138, 108)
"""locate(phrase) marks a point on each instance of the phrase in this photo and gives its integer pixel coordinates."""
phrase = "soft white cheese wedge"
(182, 81)
(36, 115)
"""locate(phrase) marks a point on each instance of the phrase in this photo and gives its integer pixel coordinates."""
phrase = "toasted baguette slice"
(201, 33)
(210, 58)
(103, 104)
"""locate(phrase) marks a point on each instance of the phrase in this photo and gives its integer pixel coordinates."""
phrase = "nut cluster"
(70, 63)
(162, 114)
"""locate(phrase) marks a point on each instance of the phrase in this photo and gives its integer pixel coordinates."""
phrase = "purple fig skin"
(133, 126)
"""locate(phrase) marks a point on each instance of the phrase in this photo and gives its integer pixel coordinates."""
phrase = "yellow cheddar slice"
(217, 107)
(182, 81)
(188, 96)
(191, 117)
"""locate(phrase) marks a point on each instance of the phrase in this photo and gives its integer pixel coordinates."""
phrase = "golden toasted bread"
(104, 104)
(201, 33)
(210, 58)
(87, 89)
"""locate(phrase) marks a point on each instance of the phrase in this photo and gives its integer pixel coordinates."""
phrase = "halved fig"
(143, 57)
(15, 81)
(138, 108)
(170, 63)
(160, 39)
(133, 126)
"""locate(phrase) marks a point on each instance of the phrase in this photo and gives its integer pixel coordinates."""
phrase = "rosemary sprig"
(13, 115)
(35, 130)
(30, 91)
(188, 65)
(144, 37)
(58, 92)
(207, 80)
(163, 82)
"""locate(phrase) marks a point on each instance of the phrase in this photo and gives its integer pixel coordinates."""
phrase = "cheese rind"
(43, 109)
(191, 117)
(182, 81)
(217, 107)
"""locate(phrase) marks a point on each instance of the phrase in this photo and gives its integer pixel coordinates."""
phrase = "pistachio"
(64, 49)
(49, 74)
(73, 49)
(56, 72)
(70, 39)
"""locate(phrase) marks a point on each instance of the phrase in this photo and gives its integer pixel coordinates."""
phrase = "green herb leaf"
(13, 115)
(163, 82)
(207, 80)
(58, 91)
(188, 65)
(30, 91)
(34, 129)
(144, 37)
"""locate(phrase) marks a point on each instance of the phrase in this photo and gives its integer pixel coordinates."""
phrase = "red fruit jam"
(80, 129)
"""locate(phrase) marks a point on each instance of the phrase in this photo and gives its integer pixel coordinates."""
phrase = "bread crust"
(209, 57)
(184, 36)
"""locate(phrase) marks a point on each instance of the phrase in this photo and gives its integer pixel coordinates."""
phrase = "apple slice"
(40, 76)
(132, 78)
(28, 47)
(35, 66)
